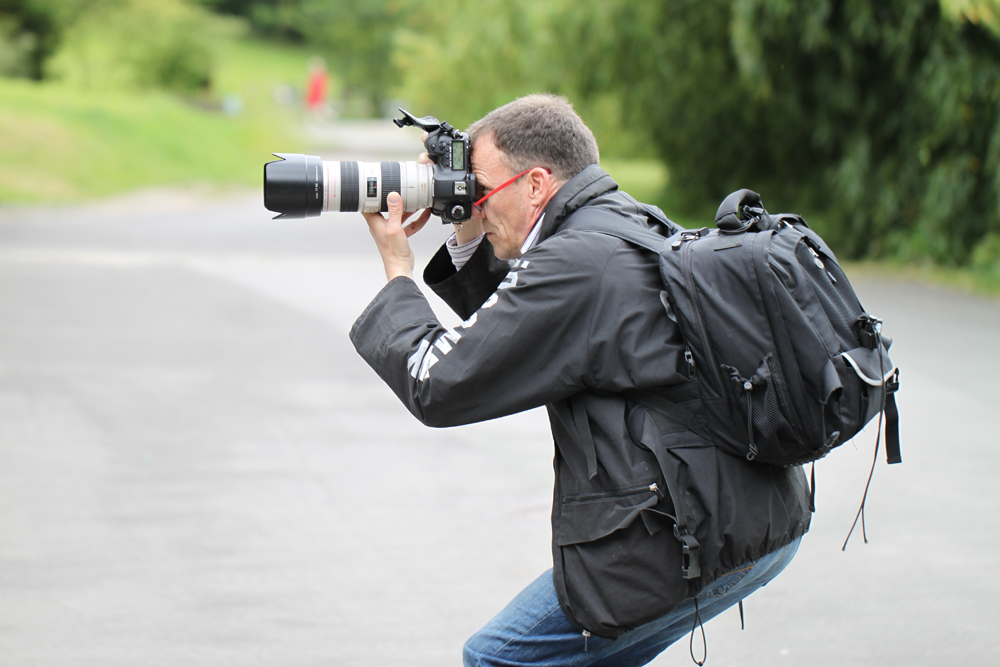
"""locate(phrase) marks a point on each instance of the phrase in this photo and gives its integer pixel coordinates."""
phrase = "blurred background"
(877, 120)
(196, 468)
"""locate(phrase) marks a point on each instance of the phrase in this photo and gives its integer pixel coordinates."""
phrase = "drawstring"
(861, 510)
(878, 439)
(812, 487)
(704, 641)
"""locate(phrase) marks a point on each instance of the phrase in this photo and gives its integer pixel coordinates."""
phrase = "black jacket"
(572, 324)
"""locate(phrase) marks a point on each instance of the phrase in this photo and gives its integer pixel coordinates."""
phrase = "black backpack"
(788, 363)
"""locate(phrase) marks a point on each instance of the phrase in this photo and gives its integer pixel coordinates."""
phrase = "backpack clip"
(892, 384)
(866, 328)
(690, 554)
(688, 235)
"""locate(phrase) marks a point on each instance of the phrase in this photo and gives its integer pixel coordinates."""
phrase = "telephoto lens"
(303, 186)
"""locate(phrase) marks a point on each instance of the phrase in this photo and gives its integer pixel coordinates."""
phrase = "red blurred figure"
(317, 86)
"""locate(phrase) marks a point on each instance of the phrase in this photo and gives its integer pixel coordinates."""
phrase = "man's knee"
(472, 652)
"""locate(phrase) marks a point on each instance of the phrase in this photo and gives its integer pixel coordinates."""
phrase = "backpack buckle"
(866, 328)
(690, 554)
(688, 235)
(892, 384)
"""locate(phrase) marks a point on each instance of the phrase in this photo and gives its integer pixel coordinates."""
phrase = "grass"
(61, 142)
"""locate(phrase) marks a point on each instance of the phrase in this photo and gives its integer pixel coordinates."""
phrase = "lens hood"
(293, 185)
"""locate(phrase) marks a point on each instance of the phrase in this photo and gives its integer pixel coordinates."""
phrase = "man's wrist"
(468, 231)
(394, 271)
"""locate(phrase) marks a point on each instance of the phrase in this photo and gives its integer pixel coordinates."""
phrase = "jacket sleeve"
(526, 346)
(466, 290)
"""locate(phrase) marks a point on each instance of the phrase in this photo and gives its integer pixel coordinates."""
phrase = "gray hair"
(539, 131)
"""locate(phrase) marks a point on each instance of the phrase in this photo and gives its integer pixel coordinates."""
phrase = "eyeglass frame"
(479, 203)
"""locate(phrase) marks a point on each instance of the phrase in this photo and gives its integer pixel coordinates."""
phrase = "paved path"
(196, 468)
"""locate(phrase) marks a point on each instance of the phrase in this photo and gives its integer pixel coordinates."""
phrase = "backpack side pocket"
(764, 403)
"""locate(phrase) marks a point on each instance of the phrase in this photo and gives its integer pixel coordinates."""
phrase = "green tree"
(101, 50)
(882, 115)
(31, 32)
(460, 60)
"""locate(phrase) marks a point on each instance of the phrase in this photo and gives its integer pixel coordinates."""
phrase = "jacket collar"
(588, 184)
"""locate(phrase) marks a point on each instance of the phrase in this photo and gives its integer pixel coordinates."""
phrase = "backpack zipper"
(688, 279)
(615, 493)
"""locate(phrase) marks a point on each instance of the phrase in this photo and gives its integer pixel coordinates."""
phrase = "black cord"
(704, 641)
(878, 439)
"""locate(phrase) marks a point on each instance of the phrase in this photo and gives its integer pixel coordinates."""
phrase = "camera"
(301, 186)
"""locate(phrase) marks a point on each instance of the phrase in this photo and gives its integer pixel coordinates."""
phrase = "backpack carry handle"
(740, 212)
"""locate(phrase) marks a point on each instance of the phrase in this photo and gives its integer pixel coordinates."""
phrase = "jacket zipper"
(616, 493)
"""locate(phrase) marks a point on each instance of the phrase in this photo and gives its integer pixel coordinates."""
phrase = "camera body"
(454, 182)
(299, 186)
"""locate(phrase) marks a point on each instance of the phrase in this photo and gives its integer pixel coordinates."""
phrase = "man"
(654, 530)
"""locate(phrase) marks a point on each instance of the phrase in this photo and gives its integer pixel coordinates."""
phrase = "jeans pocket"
(727, 582)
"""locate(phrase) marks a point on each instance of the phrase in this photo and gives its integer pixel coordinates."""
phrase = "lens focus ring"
(349, 192)
(391, 182)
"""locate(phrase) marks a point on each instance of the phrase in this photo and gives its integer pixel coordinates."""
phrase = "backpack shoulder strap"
(593, 220)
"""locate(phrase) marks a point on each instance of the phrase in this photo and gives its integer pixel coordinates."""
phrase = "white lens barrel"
(363, 186)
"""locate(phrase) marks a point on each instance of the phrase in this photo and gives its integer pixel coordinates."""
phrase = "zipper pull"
(819, 262)
(689, 358)
(816, 258)
(748, 388)
(586, 640)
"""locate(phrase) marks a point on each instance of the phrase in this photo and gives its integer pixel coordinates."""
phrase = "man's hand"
(392, 237)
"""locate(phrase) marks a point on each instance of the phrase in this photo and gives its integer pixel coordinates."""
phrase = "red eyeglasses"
(479, 203)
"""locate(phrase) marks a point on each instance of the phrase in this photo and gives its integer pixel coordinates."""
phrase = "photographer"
(647, 545)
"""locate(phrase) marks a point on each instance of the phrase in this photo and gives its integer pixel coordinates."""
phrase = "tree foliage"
(30, 32)
(147, 43)
(879, 119)
(881, 115)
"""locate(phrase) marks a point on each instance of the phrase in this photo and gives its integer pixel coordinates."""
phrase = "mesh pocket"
(760, 401)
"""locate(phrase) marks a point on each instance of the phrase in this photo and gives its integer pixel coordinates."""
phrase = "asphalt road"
(196, 468)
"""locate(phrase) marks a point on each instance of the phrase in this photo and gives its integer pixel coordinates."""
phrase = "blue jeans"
(533, 630)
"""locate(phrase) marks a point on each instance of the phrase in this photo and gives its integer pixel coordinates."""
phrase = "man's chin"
(500, 252)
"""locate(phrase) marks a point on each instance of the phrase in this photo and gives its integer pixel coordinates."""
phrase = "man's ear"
(542, 182)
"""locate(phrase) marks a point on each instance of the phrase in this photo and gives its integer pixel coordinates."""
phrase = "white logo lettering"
(425, 368)
(509, 281)
(420, 363)
(414, 362)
